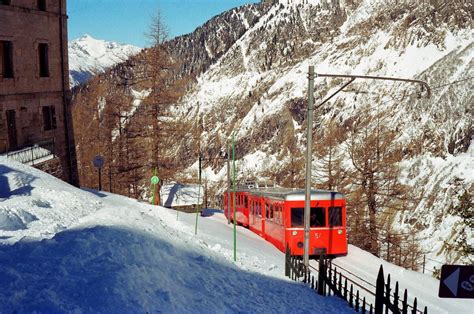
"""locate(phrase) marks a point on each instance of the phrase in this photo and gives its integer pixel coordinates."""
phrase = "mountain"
(88, 56)
(415, 143)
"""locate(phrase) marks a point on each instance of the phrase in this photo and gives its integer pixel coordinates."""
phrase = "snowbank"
(63, 249)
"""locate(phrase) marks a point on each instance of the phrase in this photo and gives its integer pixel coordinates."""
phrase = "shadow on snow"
(19, 183)
(111, 269)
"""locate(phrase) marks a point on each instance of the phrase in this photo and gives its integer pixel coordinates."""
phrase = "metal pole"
(110, 179)
(199, 196)
(228, 183)
(100, 179)
(309, 139)
(233, 198)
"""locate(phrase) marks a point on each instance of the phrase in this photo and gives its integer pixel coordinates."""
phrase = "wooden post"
(424, 261)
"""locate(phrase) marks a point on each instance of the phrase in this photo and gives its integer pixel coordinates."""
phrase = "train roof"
(293, 194)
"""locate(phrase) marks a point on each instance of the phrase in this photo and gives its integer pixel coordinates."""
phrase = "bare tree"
(374, 154)
(158, 31)
(329, 173)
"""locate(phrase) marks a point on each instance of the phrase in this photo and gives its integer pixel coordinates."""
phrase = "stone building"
(35, 114)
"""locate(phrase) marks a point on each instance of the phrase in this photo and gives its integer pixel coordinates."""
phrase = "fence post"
(351, 297)
(321, 275)
(387, 294)
(414, 306)
(287, 262)
(379, 292)
(405, 302)
(396, 298)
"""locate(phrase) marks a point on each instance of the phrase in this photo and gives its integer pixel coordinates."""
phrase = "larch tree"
(375, 154)
(328, 173)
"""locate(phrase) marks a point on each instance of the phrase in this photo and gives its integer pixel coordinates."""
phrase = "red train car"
(276, 214)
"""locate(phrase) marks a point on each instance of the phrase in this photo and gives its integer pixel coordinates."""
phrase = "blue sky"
(126, 21)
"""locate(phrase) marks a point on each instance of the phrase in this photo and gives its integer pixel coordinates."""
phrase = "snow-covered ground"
(63, 249)
(68, 250)
(176, 194)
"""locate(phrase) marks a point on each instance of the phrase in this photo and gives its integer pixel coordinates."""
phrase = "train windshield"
(317, 217)
(335, 216)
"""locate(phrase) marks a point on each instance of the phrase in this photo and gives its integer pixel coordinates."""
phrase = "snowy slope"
(88, 251)
(88, 56)
(67, 250)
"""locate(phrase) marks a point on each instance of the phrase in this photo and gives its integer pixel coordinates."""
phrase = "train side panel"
(274, 225)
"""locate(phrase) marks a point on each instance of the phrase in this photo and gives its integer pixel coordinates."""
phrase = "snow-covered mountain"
(260, 84)
(89, 56)
(253, 81)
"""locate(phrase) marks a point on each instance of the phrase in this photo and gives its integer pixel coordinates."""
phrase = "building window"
(49, 118)
(43, 60)
(4, 2)
(6, 59)
(42, 5)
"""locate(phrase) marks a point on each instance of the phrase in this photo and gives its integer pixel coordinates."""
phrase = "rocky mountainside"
(89, 56)
(252, 82)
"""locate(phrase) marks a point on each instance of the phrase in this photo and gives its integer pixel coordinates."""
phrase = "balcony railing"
(35, 154)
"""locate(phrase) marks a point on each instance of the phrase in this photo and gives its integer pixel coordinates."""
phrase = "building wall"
(26, 93)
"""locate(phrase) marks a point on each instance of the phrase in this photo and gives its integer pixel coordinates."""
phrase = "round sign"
(98, 161)
(155, 180)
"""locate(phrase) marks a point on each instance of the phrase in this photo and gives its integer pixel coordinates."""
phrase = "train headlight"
(339, 231)
(294, 232)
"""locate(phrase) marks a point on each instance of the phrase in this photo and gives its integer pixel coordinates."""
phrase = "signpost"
(98, 162)
(456, 282)
(154, 181)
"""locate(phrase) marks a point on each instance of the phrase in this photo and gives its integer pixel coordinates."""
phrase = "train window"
(335, 216)
(279, 214)
(246, 201)
(297, 215)
(317, 217)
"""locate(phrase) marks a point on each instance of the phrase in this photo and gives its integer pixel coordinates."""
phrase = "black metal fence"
(34, 154)
(331, 281)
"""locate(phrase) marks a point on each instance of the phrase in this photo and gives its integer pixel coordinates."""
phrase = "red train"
(276, 214)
